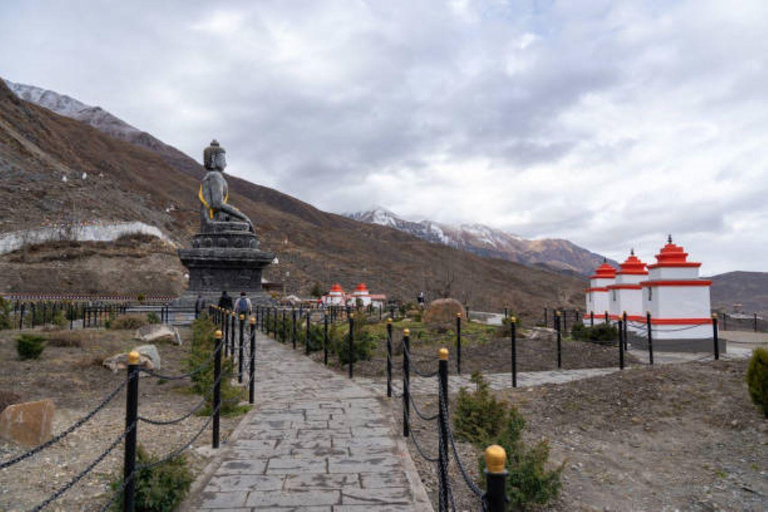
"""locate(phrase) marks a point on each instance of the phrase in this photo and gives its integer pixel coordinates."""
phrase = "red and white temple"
(671, 290)
(678, 300)
(337, 297)
(598, 302)
(626, 294)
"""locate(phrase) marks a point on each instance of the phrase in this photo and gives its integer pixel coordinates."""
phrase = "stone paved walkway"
(316, 442)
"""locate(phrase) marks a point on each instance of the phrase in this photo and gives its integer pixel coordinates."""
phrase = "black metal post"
(591, 318)
(389, 357)
(565, 321)
(293, 327)
(458, 343)
(226, 332)
(240, 350)
(325, 340)
(626, 338)
(607, 319)
(406, 383)
(252, 365)
(513, 335)
(755, 316)
(351, 350)
(495, 479)
(219, 340)
(559, 341)
(283, 327)
(131, 426)
(307, 337)
(546, 320)
(71, 317)
(649, 328)
(442, 455)
(715, 337)
(21, 318)
(232, 334)
(621, 344)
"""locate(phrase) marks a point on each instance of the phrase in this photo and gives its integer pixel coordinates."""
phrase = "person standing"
(243, 306)
(225, 301)
(199, 305)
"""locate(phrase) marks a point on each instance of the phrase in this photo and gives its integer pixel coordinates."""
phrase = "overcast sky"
(609, 123)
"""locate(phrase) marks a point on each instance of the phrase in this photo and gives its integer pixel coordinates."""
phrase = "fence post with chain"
(219, 339)
(293, 327)
(458, 343)
(351, 350)
(621, 344)
(325, 340)
(649, 328)
(406, 382)
(131, 426)
(559, 341)
(306, 338)
(626, 337)
(240, 350)
(389, 357)
(495, 478)
(252, 363)
(513, 336)
(715, 337)
(443, 425)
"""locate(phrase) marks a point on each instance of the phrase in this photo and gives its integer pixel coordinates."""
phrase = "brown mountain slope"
(748, 289)
(124, 182)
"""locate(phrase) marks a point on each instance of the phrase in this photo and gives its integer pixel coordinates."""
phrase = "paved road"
(317, 442)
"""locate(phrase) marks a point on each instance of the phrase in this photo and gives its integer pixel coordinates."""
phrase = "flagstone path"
(315, 442)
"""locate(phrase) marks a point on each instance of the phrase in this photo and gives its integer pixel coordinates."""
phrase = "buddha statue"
(214, 192)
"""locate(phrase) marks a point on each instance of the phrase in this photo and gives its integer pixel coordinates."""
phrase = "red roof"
(672, 255)
(337, 288)
(633, 265)
(604, 271)
(361, 288)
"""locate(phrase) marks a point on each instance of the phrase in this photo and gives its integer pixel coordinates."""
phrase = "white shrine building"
(626, 294)
(671, 290)
(598, 298)
(337, 297)
(679, 302)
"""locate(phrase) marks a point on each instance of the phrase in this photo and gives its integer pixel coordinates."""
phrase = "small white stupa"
(627, 294)
(362, 293)
(679, 302)
(335, 297)
(598, 303)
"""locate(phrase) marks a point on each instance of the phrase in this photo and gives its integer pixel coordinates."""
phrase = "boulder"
(29, 423)
(443, 311)
(149, 359)
(156, 332)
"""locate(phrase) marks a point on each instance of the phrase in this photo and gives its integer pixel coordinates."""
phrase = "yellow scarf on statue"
(205, 203)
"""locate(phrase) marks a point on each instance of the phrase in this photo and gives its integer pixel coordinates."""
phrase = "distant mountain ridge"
(554, 254)
(740, 291)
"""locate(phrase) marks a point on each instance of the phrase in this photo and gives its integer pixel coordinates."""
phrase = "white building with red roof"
(337, 297)
(679, 301)
(626, 294)
(598, 298)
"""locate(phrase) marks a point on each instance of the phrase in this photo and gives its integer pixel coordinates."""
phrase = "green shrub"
(6, 309)
(505, 331)
(127, 323)
(482, 420)
(60, 319)
(140, 298)
(600, 332)
(200, 353)
(159, 489)
(757, 378)
(30, 346)
(479, 415)
(153, 318)
(316, 336)
(363, 343)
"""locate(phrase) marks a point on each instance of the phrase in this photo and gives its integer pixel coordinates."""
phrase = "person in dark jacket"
(199, 305)
(225, 301)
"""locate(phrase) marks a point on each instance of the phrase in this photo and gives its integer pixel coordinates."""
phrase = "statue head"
(214, 157)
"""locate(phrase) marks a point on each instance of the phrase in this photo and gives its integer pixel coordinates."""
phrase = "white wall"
(107, 232)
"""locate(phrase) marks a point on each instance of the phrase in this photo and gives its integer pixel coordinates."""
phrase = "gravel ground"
(677, 437)
(76, 382)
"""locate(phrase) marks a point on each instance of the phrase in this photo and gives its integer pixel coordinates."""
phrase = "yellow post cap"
(133, 357)
(443, 354)
(557, 313)
(513, 319)
(253, 320)
(714, 315)
(495, 459)
(389, 320)
(242, 316)
(219, 334)
(406, 332)
(458, 314)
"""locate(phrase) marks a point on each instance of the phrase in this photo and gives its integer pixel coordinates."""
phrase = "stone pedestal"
(225, 257)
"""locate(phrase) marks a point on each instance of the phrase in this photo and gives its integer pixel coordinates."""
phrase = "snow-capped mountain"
(555, 254)
(100, 119)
